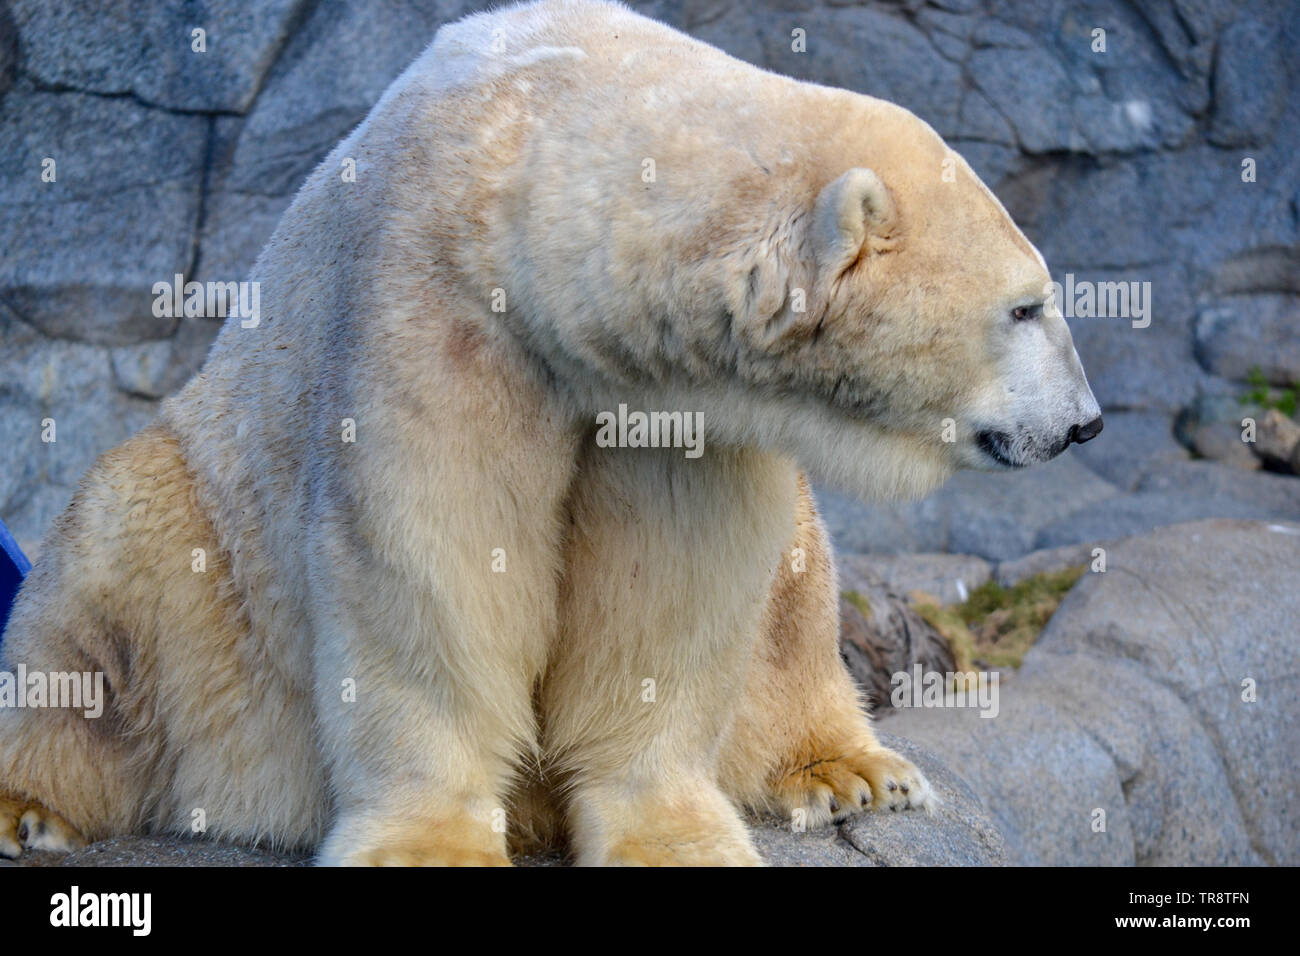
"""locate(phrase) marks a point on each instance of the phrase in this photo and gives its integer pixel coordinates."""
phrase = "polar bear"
(369, 585)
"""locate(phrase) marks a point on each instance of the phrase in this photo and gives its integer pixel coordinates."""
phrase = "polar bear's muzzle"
(1038, 403)
(1011, 451)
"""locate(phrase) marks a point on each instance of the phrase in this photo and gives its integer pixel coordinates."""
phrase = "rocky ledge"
(1152, 723)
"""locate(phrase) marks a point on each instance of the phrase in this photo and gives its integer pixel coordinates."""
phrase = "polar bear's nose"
(1087, 432)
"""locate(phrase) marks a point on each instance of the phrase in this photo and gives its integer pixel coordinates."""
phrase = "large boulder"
(960, 831)
(947, 577)
(1156, 700)
(1179, 491)
(994, 516)
(1131, 445)
(1230, 331)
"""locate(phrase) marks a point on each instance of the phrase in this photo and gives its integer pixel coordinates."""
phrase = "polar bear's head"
(949, 315)
(919, 319)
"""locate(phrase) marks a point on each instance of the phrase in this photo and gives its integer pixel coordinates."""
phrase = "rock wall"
(1122, 164)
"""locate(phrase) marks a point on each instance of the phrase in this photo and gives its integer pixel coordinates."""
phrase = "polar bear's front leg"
(434, 586)
(424, 695)
(424, 707)
(668, 563)
(802, 744)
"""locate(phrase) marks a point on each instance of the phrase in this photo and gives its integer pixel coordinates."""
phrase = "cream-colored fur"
(472, 629)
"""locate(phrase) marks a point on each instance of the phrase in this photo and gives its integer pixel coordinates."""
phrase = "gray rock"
(1273, 496)
(118, 46)
(1172, 781)
(981, 121)
(1176, 492)
(1260, 269)
(992, 162)
(728, 26)
(883, 528)
(1040, 775)
(996, 516)
(948, 577)
(1204, 610)
(824, 846)
(1241, 333)
(333, 69)
(1048, 561)
(1033, 91)
(1145, 511)
(235, 229)
(1137, 369)
(190, 347)
(960, 832)
(163, 851)
(8, 49)
(1133, 702)
(891, 58)
(1222, 403)
(153, 370)
(1131, 444)
(111, 224)
(1222, 442)
(71, 385)
(1246, 111)
(1277, 441)
(143, 369)
(30, 515)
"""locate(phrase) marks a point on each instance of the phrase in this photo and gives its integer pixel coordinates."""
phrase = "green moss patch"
(996, 625)
(1285, 400)
(858, 601)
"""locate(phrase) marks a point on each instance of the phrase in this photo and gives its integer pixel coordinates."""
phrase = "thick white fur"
(508, 160)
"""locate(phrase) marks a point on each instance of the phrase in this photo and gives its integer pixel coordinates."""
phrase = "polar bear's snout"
(1040, 402)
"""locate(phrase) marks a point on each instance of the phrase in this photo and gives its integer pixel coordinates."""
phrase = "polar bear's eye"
(1025, 313)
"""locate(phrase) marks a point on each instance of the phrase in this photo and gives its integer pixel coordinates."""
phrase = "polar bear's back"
(486, 46)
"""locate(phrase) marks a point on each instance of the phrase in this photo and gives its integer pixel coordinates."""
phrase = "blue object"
(13, 568)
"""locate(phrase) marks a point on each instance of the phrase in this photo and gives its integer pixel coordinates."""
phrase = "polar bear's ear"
(854, 208)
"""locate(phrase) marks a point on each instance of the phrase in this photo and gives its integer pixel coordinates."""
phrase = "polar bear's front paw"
(459, 840)
(26, 825)
(896, 782)
(692, 827)
(682, 846)
(833, 787)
